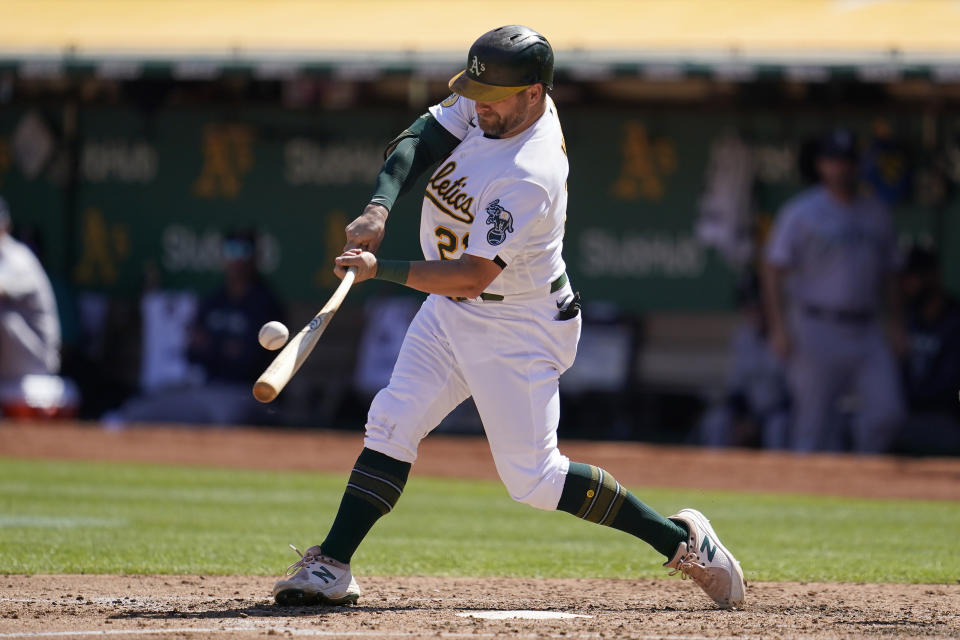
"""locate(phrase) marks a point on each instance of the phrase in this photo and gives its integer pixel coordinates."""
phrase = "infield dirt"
(236, 607)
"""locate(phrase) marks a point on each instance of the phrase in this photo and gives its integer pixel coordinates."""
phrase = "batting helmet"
(503, 62)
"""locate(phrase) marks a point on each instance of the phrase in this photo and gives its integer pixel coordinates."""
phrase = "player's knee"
(539, 490)
(542, 496)
(381, 436)
(388, 434)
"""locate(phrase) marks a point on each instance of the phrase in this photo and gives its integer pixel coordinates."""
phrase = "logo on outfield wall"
(119, 160)
(306, 162)
(106, 245)
(227, 157)
(651, 254)
(646, 162)
(184, 249)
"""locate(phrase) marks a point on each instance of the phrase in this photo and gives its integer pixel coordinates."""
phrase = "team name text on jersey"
(442, 192)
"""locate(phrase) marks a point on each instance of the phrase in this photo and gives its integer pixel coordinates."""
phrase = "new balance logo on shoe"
(311, 580)
(325, 575)
(705, 546)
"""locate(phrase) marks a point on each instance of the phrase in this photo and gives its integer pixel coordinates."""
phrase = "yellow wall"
(430, 25)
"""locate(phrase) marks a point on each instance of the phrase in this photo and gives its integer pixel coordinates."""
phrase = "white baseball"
(273, 335)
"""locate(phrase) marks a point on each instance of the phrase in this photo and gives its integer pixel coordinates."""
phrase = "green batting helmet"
(503, 62)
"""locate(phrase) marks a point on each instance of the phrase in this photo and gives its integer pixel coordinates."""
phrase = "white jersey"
(500, 199)
(29, 324)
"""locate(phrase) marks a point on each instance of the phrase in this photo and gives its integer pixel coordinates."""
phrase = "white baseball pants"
(509, 357)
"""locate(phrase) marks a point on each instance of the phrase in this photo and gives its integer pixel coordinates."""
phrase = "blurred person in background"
(831, 269)
(29, 331)
(29, 326)
(931, 369)
(222, 341)
(755, 407)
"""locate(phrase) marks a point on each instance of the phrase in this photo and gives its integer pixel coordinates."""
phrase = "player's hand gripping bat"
(269, 385)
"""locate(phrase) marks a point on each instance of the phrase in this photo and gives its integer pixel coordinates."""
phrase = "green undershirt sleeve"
(410, 154)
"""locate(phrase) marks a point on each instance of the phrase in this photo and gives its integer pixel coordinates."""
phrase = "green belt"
(555, 286)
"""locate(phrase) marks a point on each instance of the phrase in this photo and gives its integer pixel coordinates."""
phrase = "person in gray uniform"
(830, 270)
(29, 325)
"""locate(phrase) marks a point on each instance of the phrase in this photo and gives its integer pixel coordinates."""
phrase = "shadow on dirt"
(270, 610)
(260, 610)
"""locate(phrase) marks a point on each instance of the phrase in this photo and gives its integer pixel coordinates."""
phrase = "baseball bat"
(269, 385)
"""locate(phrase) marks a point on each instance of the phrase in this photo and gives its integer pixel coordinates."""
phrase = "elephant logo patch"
(502, 221)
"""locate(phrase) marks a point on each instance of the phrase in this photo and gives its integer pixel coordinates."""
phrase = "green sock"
(593, 494)
(372, 491)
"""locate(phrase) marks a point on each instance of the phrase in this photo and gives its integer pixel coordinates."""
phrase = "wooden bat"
(269, 385)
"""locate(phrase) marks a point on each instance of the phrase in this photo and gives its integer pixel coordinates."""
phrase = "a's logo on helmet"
(476, 68)
(502, 221)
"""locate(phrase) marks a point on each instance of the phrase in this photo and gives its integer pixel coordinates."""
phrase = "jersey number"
(448, 242)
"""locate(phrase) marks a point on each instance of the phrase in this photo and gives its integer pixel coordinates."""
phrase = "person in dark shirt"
(931, 368)
(223, 343)
(223, 339)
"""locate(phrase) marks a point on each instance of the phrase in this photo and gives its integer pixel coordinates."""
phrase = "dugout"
(133, 134)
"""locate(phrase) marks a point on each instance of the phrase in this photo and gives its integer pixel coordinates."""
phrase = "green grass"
(68, 517)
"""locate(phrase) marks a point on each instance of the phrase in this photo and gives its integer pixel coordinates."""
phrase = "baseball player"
(29, 324)
(831, 263)
(501, 322)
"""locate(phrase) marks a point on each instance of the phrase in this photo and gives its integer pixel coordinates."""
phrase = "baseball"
(273, 335)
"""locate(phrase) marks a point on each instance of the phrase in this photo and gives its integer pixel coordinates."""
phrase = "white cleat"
(316, 579)
(704, 559)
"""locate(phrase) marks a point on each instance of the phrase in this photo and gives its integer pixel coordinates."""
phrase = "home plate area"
(521, 615)
(44, 606)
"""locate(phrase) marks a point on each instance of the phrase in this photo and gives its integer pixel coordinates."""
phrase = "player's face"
(838, 173)
(507, 117)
